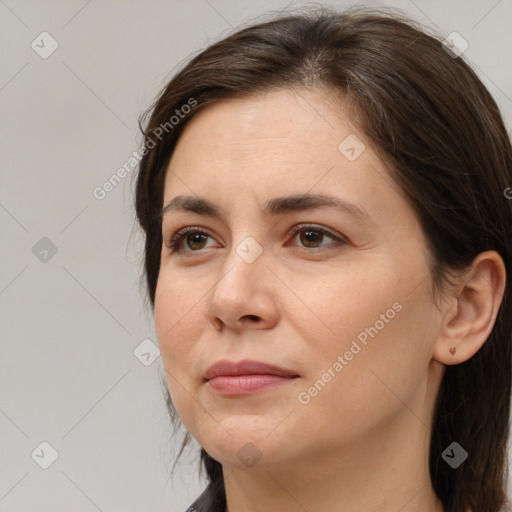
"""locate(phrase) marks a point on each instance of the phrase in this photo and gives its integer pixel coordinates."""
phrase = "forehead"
(280, 118)
(280, 133)
(276, 144)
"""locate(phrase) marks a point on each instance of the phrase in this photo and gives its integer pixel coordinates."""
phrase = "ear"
(472, 307)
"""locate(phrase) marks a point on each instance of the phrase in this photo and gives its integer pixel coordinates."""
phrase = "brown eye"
(311, 237)
(192, 237)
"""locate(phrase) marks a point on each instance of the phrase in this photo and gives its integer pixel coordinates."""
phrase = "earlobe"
(472, 310)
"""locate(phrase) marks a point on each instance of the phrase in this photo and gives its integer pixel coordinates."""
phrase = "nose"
(243, 296)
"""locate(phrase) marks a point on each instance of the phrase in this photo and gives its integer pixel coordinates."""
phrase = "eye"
(310, 236)
(195, 238)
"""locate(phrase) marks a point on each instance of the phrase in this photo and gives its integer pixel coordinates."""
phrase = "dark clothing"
(209, 501)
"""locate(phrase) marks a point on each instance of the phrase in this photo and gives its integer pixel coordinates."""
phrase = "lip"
(224, 368)
(246, 377)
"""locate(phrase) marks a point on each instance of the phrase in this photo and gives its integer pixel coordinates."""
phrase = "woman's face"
(344, 302)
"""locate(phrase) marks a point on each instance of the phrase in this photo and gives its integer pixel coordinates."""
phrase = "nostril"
(252, 317)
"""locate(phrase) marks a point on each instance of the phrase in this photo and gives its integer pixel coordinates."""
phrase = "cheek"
(391, 369)
(372, 320)
(178, 321)
(176, 324)
(330, 309)
(175, 297)
(380, 379)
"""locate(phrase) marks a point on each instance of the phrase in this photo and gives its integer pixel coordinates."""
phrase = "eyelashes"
(196, 236)
(176, 241)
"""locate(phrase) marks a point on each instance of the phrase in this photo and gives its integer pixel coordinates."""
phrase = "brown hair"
(433, 121)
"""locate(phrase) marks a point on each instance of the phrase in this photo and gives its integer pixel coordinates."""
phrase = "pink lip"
(245, 377)
(246, 367)
(234, 385)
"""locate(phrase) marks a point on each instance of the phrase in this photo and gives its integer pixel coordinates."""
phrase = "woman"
(324, 201)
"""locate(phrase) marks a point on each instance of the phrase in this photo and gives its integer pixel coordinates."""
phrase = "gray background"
(71, 321)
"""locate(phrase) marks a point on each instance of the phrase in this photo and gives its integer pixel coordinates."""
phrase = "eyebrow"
(274, 207)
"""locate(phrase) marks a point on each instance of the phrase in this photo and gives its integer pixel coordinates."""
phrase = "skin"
(362, 442)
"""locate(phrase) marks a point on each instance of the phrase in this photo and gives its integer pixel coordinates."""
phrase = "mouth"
(246, 377)
(233, 385)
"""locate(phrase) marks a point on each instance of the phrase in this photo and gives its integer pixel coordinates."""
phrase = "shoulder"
(208, 501)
